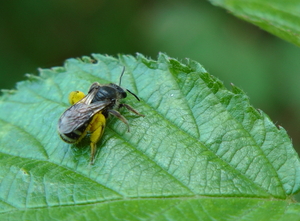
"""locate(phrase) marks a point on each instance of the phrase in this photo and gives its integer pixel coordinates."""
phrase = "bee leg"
(97, 127)
(128, 107)
(118, 115)
(75, 96)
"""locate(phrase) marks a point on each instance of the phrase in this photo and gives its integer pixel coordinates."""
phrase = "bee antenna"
(133, 94)
(121, 76)
(127, 89)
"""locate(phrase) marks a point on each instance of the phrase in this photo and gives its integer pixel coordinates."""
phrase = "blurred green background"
(44, 33)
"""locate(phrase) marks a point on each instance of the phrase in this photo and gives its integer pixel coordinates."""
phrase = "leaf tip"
(89, 60)
(147, 61)
(4, 93)
(236, 89)
(32, 77)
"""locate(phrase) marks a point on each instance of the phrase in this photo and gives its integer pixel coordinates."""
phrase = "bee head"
(119, 90)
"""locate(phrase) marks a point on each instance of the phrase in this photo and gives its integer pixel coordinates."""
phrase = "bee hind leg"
(75, 96)
(97, 127)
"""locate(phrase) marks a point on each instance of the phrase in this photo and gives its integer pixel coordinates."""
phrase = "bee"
(88, 113)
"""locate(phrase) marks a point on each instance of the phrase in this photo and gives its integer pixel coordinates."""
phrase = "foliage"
(201, 151)
(278, 17)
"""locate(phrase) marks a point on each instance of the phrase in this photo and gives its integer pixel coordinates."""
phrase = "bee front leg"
(128, 107)
(97, 127)
(118, 115)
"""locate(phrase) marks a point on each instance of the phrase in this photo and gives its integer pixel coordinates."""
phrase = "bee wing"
(79, 114)
(89, 97)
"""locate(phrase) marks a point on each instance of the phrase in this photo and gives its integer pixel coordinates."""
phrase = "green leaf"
(200, 153)
(279, 17)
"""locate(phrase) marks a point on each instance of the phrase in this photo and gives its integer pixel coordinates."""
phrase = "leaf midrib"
(130, 199)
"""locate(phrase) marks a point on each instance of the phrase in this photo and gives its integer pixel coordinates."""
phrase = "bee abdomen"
(72, 137)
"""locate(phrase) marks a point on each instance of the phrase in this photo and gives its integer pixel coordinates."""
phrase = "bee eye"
(124, 94)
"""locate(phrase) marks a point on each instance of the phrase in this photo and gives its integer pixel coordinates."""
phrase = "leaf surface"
(201, 151)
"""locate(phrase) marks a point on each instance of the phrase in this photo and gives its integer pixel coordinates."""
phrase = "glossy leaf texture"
(202, 152)
(281, 18)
